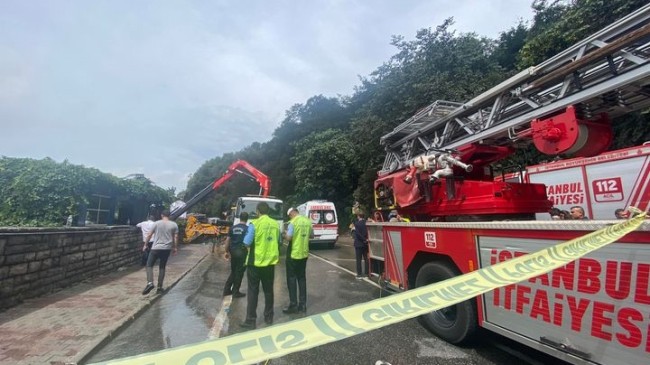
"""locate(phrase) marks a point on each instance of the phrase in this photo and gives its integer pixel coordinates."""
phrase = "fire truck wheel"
(455, 324)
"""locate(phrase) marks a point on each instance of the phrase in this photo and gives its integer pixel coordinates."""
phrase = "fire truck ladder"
(606, 72)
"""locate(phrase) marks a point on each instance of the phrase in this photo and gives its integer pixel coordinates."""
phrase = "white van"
(324, 221)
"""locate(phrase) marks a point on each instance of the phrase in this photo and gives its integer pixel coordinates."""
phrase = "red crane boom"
(235, 167)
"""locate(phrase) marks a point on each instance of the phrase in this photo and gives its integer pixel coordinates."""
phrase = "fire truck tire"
(455, 324)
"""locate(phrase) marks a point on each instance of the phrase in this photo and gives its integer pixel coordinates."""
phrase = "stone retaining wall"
(37, 261)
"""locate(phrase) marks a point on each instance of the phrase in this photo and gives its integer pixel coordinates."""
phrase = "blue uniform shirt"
(237, 234)
(250, 235)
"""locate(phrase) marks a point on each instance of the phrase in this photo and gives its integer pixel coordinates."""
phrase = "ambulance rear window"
(322, 216)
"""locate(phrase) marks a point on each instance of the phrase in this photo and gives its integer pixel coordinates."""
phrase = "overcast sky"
(159, 87)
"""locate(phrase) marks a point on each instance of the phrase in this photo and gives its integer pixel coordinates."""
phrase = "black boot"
(247, 324)
(290, 309)
(268, 319)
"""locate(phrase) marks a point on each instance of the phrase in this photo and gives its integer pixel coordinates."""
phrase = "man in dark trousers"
(165, 239)
(298, 233)
(146, 226)
(263, 241)
(236, 252)
(361, 244)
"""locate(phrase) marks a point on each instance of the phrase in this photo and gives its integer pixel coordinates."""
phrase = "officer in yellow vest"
(263, 241)
(298, 233)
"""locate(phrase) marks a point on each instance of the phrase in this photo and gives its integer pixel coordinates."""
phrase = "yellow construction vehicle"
(199, 229)
(197, 225)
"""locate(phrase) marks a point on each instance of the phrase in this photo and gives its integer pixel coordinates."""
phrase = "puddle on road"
(200, 291)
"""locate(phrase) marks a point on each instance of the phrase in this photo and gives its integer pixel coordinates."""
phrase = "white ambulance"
(324, 221)
(600, 184)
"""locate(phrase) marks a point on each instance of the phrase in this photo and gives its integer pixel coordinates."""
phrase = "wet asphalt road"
(186, 314)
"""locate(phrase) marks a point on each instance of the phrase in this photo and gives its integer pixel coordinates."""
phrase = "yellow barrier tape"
(319, 329)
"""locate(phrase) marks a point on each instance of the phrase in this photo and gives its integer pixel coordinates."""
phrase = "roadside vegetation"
(45, 192)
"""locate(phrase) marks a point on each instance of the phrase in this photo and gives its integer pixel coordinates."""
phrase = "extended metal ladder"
(606, 72)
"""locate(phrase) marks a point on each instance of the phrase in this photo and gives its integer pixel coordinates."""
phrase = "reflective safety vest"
(300, 238)
(266, 242)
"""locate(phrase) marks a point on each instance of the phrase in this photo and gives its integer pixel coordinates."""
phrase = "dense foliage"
(45, 193)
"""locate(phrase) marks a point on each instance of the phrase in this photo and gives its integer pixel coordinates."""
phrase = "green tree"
(559, 24)
(510, 42)
(44, 192)
(324, 169)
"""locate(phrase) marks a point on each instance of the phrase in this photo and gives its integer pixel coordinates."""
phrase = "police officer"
(298, 233)
(236, 252)
(361, 244)
(263, 241)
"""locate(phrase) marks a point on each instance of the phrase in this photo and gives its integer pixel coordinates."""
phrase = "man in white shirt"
(165, 241)
(146, 226)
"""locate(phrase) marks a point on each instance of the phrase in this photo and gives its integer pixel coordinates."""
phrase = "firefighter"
(263, 241)
(298, 233)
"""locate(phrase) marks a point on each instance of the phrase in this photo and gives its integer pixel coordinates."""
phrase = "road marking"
(344, 269)
(220, 324)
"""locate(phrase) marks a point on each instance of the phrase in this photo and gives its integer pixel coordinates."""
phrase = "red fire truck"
(437, 172)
